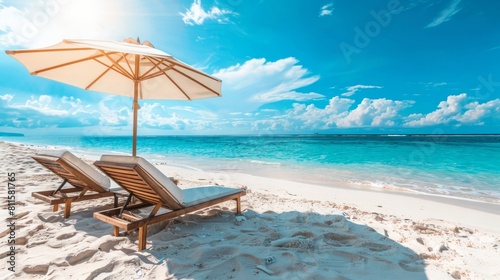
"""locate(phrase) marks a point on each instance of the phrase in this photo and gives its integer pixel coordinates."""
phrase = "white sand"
(288, 230)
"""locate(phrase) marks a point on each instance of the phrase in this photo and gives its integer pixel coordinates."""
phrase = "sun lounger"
(87, 182)
(155, 191)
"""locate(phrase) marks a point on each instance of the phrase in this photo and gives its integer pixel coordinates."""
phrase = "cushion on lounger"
(194, 196)
(79, 165)
(169, 188)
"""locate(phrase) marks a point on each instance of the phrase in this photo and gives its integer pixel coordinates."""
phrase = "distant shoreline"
(10, 134)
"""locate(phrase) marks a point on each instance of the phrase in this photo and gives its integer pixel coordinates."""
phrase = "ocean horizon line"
(263, 135)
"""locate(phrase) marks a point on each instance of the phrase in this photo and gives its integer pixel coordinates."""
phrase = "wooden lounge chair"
(155, 190)
(87, 182)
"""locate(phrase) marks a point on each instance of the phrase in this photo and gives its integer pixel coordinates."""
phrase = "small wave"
(184, 166)
(429, 188)
(265, 162)
(118, 153)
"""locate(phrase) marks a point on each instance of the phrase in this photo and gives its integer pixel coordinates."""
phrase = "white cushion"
(194, 196)
(174, 191)
(79, 165)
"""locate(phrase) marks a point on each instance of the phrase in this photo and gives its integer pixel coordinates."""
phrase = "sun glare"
(89, 19)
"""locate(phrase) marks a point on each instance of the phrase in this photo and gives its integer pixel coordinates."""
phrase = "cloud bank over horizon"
(409, 74)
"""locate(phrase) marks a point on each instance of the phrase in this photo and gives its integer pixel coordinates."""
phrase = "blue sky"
(343, 66)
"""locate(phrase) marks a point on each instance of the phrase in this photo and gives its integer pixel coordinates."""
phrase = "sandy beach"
(288, 230)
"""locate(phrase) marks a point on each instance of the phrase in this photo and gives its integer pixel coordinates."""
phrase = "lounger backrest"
(71, 168)
(142, 179)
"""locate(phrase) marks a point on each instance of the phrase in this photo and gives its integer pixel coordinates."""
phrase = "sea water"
(464, 166)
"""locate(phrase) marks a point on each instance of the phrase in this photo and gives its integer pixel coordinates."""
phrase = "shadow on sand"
(216, 244)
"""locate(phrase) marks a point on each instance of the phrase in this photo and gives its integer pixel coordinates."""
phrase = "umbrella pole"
(136, 104)
(135, 107)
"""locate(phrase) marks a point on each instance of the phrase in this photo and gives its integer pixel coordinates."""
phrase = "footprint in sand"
(64, 240)
(376, 247)
(21, 240)
(109, 267)
(20, 215)
(110, 244)
(4, 233)
(33, 244)
(337, 239)
(341, 260)
(412, 265)
(66, 235)
(51, 217)
(80, 257)
(40, 269)
(248, 261)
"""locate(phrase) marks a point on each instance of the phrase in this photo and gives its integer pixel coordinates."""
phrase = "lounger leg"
(55, 208)
(115, 203)
(67, 208)
(116, 231)
(238, 205)
(143, 232)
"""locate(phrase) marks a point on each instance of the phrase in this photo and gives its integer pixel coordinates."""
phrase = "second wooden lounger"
(87, 182)
(155, 190)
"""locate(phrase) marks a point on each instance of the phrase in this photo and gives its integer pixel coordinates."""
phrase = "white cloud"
(197, 15)
(326, 10)
(12, 21)
(7, 97)
(264, 81)
(74, 102)
(446, 14)
(199, 113)
(43, 105)
(154, 115)
(112, 114)
(252, 71)
(45, 111)
(315, 117)
(118, 116)
(273, 96)
(353, 89)
(447, 111)
(370, 112)
(377, 112)
(338, 113)
(456, 110)
(439, 84)
(477, 111)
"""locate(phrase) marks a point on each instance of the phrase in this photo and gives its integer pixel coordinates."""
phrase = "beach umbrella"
(126, 68)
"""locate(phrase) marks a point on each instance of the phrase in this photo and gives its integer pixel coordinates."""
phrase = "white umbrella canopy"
(126, 68)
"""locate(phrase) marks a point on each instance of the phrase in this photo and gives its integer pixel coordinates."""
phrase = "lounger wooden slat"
(128, 178)
(138, 185)
(155, 190)
(86, 181)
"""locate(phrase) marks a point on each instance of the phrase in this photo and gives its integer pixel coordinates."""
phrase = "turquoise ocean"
(462, 166)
